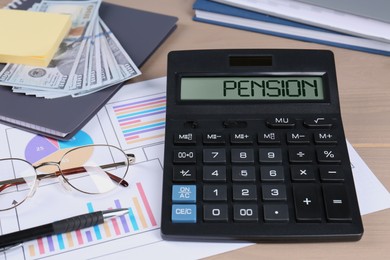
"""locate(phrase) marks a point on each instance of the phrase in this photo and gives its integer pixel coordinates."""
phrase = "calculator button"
(214, 138)
(214, 192)
(328, 155)
(184, 138)
(184, 156)
(275, 213)
(215, 212)
(243, 173)
(298, 138)
(214, 173)
(245, 213)
(281, 122)
(325, 138)
(269, 138)
(307, 202)
(331, 173)
(300, 155)
(241, 138)
(274, 192)
(242, 156)
(270, 155)
(303, 173)
(184, 193)
(244, 192)
(184, 173)
(272, 173)
(182, 213)
(217, 155)
(336, 203)
(318, 122)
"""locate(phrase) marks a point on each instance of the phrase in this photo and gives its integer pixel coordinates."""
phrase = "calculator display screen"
(253, 88)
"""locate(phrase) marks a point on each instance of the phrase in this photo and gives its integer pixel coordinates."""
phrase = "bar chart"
(139, 218)
(141, 120)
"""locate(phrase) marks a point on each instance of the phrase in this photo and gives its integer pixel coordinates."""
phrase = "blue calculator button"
(184, 193)
(182, 213)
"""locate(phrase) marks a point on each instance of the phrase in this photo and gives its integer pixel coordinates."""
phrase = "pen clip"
(4, 249)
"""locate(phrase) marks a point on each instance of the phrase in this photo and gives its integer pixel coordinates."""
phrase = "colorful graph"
(139, 218)
(45, 149)
(142, 120)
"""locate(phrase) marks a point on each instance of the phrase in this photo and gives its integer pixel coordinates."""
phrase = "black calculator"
(255, 148)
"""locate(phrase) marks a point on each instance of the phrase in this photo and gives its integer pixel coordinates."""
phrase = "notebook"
(139, 32)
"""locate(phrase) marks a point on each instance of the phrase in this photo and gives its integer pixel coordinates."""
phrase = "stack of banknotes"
(89, 59)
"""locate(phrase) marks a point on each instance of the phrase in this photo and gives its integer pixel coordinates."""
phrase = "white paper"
(127, 238)
(318, 16)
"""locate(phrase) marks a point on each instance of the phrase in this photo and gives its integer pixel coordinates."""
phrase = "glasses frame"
(63, 173)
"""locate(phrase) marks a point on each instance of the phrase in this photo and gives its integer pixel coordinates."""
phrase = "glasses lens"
(17, 182)
(94, 169)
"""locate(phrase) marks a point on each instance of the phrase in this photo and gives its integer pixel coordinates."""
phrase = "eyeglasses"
(91, 169)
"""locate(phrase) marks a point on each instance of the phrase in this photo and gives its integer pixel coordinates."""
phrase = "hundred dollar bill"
(58, 74)
(126, 65)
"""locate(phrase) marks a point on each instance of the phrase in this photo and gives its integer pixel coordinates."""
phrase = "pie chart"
(41, 149)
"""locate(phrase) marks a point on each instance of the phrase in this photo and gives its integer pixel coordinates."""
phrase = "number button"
(272, 173)
(184, 156)
(242, 156)
(217, 155)
(274, 192)
(244, 192)
(214, 173)
(270, 155)
(214, 193)
(245, 213)
(243, 173)
(215, 213)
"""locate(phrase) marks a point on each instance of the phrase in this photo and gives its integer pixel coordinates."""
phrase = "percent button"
(328, 155)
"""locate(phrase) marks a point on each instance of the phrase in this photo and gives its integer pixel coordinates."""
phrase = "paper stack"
(31, 38)
(335, 23)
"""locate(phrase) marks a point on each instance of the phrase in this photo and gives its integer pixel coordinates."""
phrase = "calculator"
(255, 148)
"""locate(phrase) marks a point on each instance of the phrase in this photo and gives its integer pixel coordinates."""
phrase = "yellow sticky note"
(31, 38)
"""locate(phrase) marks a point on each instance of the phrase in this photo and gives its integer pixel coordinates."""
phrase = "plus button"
(307, 201)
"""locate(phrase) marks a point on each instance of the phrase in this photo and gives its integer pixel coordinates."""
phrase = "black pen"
(58, 227)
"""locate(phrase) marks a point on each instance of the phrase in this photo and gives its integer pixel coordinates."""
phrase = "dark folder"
(139, 32)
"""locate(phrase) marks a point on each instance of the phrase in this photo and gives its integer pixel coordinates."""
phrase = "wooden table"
(364, 86)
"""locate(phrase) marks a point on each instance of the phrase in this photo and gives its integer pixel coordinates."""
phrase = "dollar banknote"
(89, 59)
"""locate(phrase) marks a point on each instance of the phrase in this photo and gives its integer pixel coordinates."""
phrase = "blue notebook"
(263, 23)
(61, 118)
